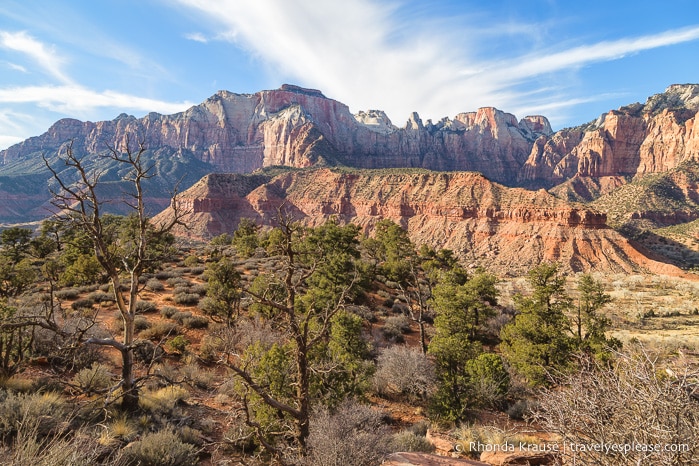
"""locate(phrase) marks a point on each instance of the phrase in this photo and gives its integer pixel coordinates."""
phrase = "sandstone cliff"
(632, 141)
(504, 229)
(300, 127)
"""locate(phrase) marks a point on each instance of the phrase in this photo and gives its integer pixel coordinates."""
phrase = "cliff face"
(299, 127)
(504, 229)
(634, 140)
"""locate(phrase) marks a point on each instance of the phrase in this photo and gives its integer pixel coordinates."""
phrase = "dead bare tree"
(631, 411)
(124, 259)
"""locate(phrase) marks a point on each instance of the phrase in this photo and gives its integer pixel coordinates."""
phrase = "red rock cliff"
(508, 229)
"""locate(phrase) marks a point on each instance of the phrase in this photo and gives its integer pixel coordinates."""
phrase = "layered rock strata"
(505, 229)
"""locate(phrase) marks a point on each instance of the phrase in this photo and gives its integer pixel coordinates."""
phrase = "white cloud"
(75, 99)
(603, 51)
(197, 37)
(16, 67)
(45, 56)
(7, 141)
(363, 53)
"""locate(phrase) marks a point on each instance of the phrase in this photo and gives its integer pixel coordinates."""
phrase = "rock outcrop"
(634, 140)
(504, 229)
(300, 127)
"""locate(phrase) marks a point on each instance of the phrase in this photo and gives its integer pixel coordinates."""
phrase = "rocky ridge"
(633, 141)
(299, 127)
(485, 223)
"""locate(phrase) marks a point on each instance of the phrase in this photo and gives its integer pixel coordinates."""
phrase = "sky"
(569, 61)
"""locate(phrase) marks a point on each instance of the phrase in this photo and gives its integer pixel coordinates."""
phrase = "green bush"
(162, 448)
(178, 344)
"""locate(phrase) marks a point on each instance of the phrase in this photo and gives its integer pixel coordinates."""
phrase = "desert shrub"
(180, 316)
(122, 429)
(163, 400)
(209, 347)
(394, 327)
(364, 312)
(168, 311)
(178, 281)
(519, 410)
(471, 435)
(93, 379)
(17, 384)
(66, 449)
(408, 440)
(153, 284)
(178, 344)
(43, 410)
(164, 448)
(68, 293)
(100, 297)
(146, 351)
(354, 435)
(186, 298)
(194, 322)
(143, 307)
(404, 370)
(141, 323)
(191, 260)
(165, 274)
(84, 303)
(197, 270)
(199, 289)
(160, 330)
(634, 398)
(197, 376)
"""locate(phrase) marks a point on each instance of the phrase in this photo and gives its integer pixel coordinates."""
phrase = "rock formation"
(634, 140)
(296, 127)
(299, 127)
(504, 229)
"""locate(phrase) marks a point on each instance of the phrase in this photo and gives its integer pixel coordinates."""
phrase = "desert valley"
(268, 278)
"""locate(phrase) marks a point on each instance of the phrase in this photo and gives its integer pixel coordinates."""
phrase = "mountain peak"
(302, 90)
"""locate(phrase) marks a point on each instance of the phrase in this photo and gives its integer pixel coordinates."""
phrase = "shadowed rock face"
(504, 229)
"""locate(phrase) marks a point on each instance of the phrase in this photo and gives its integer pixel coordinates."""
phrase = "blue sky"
(570, 61)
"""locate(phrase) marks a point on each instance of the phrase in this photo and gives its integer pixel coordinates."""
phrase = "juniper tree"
(537, 341)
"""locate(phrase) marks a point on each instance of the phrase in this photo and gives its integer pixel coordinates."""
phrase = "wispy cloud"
(532, 65)
(79, 100)
(364, 54)
(45, 56)
(16, 67)
(197, 37)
